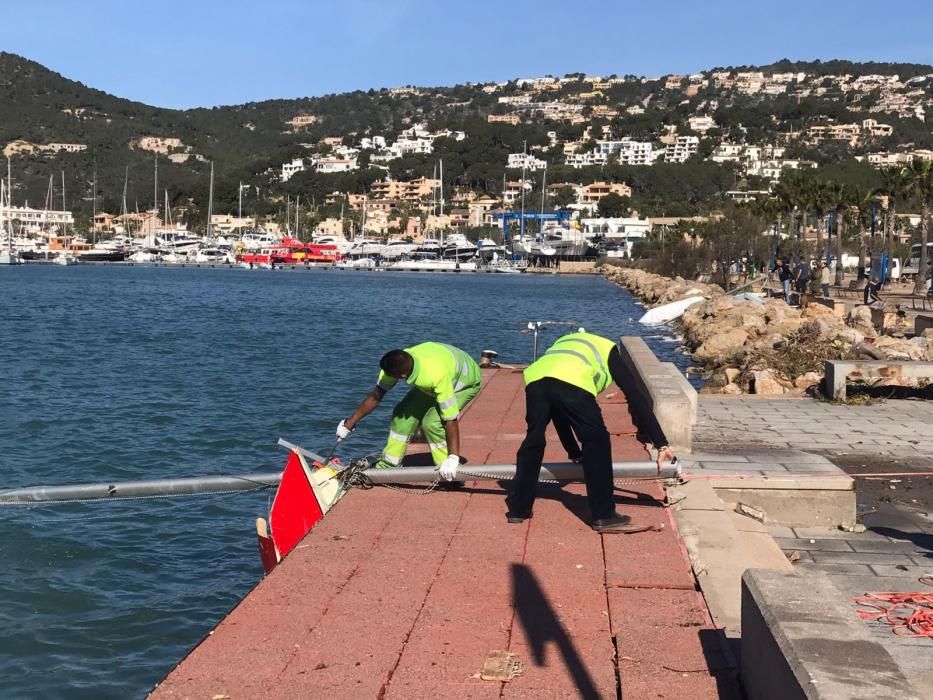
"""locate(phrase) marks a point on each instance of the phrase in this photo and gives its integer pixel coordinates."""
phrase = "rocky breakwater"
(766, 346)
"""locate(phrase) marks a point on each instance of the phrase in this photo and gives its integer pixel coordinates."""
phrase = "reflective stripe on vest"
(461, 377)
(579, 359)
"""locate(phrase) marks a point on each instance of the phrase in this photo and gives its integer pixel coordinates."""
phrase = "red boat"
(291, 251)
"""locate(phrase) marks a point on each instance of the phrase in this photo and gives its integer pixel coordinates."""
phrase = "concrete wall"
(801, 639)
(663, 390)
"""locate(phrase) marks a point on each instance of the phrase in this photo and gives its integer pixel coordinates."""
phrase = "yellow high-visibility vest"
(440, 371)
(581, 359)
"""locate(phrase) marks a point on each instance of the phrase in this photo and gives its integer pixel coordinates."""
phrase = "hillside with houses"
(409, 160)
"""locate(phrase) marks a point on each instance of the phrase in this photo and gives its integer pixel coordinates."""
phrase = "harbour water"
(116, 373)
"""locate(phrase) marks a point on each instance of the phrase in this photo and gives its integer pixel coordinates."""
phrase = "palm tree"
(862, 200)
(920, 174)
(895, 186)
(820, 199)
(838, 197)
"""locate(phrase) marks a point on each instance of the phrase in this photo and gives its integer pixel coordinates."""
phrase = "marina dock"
(404, 593)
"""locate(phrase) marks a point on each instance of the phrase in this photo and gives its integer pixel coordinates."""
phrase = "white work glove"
(448, 468)
(343, 431)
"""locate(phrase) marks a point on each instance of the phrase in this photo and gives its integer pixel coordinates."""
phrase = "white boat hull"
(669, 312)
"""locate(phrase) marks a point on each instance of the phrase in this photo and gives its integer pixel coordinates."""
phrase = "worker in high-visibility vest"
(444, 379)
(562, 386)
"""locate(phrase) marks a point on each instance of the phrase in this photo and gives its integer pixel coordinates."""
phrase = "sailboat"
(8, 256)
(65, 258)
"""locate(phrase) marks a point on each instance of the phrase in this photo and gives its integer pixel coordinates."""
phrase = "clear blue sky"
(210, 52)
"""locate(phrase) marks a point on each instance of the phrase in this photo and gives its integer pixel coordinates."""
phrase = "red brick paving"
(401, 596)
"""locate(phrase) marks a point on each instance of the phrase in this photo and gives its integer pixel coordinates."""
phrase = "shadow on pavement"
(537, 618)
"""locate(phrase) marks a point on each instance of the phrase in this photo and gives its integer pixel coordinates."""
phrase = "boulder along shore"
(770, 348)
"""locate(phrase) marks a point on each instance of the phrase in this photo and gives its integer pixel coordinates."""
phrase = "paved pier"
(402, 594)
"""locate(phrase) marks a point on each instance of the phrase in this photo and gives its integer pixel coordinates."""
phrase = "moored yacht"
(428, 248)
(397, 247)
(366, 247)
(458, 247)
(488, 249)
(342, 245)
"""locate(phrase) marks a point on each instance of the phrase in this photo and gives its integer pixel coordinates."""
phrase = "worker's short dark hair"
(394, 362)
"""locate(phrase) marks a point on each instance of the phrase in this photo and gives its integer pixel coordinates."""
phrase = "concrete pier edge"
(661, 389)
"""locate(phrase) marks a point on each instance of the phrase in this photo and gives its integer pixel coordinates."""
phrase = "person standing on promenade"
(815, 285)
(801, 276)
(784, 275)
(871, 295)
(562, 386)
(444, 379)
(824, 279)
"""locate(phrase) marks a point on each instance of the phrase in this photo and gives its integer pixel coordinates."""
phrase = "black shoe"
(616, 523)
(514, 519)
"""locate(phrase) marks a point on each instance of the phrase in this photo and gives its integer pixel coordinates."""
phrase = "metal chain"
(352, 475)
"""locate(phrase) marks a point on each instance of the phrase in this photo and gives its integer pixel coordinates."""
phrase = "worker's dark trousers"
(549, 399)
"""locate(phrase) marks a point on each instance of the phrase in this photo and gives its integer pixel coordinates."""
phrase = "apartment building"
(604, 112)
(301, 120)
(525, 160)
(335, 165)
(63, 147)
(701, 123)
(628, 151)
(683, 148)
(512, 119)
(591, 194)
(289, 169)
(372, 143)
(868, 128)
(583, 160)
(156, 144)
(412, 192)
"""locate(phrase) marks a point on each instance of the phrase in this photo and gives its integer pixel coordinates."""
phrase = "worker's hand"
(343, 431)
(448, 468)
(665, 454)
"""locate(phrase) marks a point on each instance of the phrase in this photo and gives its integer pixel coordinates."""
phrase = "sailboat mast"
(521, 225)
(64, 206)
(297, 210)
(9, 206)
(155, 202)
(210, 202)
(126, 213)
(94, 210)
(543, 190)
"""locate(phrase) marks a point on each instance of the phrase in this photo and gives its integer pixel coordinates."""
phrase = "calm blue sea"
(115, 373)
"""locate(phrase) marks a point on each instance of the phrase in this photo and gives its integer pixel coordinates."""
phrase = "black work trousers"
(552, 399)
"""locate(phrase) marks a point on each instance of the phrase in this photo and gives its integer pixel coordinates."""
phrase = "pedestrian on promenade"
(824, 279)
(785, 276)
(801, 276)
(816, 279)
(562, 386)
(444, 379)
(871, 295)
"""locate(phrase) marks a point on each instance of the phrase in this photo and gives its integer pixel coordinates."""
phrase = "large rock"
(817, 311)
(849, 335)
(859, 318)
(720, 348)
(807, 380)
(764, 382)
(899, 349)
